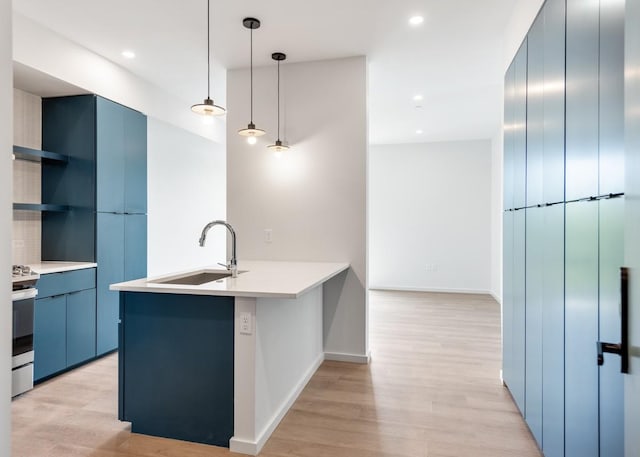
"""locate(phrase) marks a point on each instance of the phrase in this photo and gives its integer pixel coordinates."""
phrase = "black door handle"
(622, 349)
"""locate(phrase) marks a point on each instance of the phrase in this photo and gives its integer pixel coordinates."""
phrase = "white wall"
(312, 197)
(186, 189)
(42, 49)
(429, 216)
(6, 142)
(288, 352)
(522, 16)
(497, 184)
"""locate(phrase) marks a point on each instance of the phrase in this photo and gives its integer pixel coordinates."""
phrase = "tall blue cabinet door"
(535, 111)
(517, 385)
(612, 96)
(110, 156)
(135, 171)
(611, 380)
(508, 128)
(533, 313)
(49, 327)
(110, 254)
(582, 116)
(135, 246)
(520, 129)
(581, 330)
(507, 299)
(553, 331)
(554, 72)
(81, 326)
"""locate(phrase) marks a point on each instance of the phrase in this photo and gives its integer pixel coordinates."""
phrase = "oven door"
(23, 304)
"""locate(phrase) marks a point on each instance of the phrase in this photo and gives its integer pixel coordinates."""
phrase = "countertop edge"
(146, 286)
(45, 268)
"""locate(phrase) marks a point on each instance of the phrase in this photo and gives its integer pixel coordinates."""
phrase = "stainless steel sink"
(197, 278)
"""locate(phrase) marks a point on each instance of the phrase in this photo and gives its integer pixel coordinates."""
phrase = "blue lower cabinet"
(176, 366)
(581, 330)
(81, 326)
(110, 256)
(64, 331)
(49, 345)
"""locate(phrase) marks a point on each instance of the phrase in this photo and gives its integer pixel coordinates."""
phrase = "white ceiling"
(454, 59)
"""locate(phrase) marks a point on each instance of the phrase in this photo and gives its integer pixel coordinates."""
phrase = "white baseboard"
(422, 289)
(352, 358)
(254, 447)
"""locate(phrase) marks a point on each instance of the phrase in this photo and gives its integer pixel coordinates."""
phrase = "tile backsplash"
(27, 132)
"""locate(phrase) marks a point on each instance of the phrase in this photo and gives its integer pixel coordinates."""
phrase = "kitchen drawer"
(69, 281)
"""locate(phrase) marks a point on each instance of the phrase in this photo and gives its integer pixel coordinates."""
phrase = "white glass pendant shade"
(278, 146)
(251, 131)
(208, 108)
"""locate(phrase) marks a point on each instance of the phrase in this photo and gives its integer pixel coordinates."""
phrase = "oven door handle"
(24, 294)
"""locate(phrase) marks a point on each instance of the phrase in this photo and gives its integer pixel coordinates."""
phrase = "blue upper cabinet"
(135, 172)
(582, 59)
(68, 128)
(110, 157)
(611, 96)
(554, 83)
(509, 122)
(535, 111)
(121, 159)
(520, 129)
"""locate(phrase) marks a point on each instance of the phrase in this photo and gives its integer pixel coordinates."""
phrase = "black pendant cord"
(278, 100)
(251, 64)
(208, 50)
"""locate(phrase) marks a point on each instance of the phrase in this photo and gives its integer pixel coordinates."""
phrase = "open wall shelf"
(35, 155)
(39, 207)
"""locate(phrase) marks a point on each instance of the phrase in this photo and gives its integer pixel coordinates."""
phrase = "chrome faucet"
(233, 263)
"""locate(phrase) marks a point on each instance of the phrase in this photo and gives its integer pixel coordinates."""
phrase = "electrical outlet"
(246, 327)
(268, 235)
(432, 267)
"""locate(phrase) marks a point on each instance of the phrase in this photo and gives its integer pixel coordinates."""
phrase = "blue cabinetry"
(49, 329)
(105, 185)
(64, 321)
(574, 174)
(121, 231)
(176, 366)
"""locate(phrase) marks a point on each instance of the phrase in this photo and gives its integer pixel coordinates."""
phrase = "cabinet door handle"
(622, 348)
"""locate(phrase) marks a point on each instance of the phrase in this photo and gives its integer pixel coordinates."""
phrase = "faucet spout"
(233, 262)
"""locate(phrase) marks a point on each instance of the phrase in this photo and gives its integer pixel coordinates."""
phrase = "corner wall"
(429, 207)
(6, 144)
(186, 189)
(312, 197)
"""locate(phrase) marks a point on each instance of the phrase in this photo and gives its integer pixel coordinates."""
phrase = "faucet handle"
(228, 267)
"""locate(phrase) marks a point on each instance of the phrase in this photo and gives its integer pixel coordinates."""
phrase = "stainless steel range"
(23, 297)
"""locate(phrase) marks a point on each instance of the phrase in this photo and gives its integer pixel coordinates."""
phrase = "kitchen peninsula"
(220, 360)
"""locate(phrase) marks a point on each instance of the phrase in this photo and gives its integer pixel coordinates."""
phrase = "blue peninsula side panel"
(176, 366)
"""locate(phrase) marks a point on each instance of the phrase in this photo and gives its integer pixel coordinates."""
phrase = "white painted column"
(244, 381)
(6, 142)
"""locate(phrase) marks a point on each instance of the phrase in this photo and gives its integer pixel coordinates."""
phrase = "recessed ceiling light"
(416, 20)
(417, 98)
(129, 54)
(418, 132)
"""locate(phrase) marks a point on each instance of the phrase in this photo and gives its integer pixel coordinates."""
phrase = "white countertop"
(58, 267)
(256, 278)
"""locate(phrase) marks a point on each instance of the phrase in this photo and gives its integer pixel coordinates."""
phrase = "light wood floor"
(432, 390)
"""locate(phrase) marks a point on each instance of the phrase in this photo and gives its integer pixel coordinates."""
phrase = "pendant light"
(278, 146)
(251, 132)
(208, 108)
